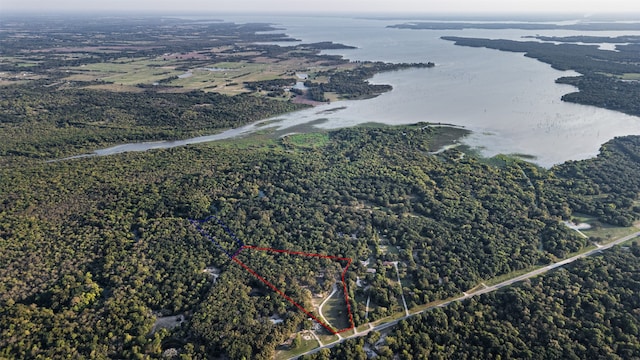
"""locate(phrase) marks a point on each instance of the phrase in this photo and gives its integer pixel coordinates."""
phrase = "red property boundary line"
(274, 288)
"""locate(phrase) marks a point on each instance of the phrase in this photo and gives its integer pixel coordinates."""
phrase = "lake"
(509, 101)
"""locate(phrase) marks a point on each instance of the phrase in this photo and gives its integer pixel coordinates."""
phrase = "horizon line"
(376, 14)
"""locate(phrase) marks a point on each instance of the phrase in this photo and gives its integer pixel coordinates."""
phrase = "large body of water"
(509, 101)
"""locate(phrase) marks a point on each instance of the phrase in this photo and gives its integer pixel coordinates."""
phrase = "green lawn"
(630, 76)
(129, 71)
(259, 140)
(389, 249)
(395, 316)
(609, 233)
(419, 308)
(347, 333)
(308, 140)
(511, 275)
(26, 64)
(583, 218)
(328, 339)
(606, 232)
(631, 241)
(336, 313)
(305, 345)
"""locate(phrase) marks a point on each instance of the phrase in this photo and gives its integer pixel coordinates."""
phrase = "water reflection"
(510, 102)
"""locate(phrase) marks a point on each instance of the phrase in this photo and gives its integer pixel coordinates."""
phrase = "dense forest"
(93, 248)
(346, 84)
(607, 184)
(353, 84)
(605, 92)
(589, 310)
(74, 120)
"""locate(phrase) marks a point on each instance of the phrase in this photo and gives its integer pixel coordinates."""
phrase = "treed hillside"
(91, 247)
(40, 123)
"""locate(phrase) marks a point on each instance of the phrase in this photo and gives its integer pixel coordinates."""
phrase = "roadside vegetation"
(588, 310)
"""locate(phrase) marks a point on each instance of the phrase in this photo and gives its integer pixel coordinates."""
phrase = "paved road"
(483, 291)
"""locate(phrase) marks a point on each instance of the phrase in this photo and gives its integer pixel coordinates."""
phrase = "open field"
(312, 140)
(307, 342)
(327, 339)
(389, 249)
(176, 63)
(608, 233)
(631, 241)
(348, 333)
(124, 71)
(504, 277)
(227, 77)
(335, 311)
(630, 76)
(604, 233)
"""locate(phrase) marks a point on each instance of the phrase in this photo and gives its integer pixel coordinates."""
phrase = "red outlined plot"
(233, 246)
(289, 299)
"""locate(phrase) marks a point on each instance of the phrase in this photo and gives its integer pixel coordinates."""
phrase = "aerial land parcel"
(98, 251)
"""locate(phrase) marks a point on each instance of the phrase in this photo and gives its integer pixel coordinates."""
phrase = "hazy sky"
(352, 6)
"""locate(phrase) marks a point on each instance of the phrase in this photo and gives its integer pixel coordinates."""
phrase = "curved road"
(335, 289)
(488, 289)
